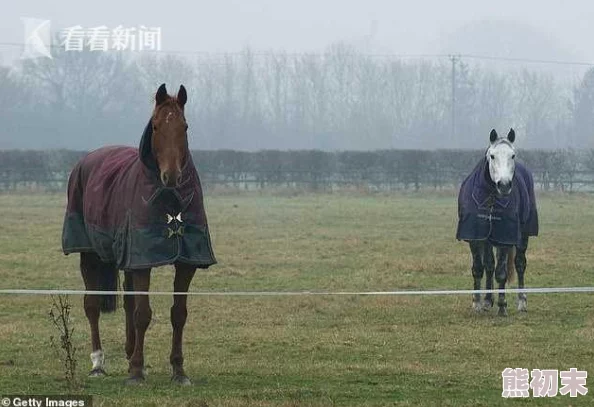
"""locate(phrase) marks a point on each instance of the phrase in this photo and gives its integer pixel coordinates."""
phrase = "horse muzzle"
(171, 179)
(504, 188)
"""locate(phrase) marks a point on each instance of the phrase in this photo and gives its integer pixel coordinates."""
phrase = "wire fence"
(537, 290)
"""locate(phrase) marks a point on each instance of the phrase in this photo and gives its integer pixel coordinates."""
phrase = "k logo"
(38, 40)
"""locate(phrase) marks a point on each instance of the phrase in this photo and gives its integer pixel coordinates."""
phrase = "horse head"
(501, 156)
(170, 140)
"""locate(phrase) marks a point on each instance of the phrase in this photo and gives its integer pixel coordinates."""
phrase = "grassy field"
(318, 351)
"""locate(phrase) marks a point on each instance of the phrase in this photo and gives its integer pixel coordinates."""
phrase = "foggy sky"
(380, 26)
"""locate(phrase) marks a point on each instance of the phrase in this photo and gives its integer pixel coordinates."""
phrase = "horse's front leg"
(179, 312)
(129, 308)
(501, 277)
(476, 251)
(489, 263)
(520, 263)
(142, 318)
(90, 270)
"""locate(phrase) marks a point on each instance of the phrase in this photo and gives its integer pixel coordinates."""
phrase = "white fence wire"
(538, 290)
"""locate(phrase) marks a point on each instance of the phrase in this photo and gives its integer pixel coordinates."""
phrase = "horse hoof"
(476, 307)
(181, 380)
(487, 305)
(522, 306)
(502, 312)
(97, 372)
(134, 381)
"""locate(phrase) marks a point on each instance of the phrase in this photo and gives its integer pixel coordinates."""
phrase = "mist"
(303, 75)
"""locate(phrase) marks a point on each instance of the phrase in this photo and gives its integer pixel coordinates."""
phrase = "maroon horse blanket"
(118, 208)
(485, 215)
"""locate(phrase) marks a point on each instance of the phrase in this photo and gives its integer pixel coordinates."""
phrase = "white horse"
(497, 208)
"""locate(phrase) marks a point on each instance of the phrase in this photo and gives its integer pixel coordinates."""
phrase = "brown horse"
(134, 209)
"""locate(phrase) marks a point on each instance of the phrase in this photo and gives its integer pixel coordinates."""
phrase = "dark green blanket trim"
(74, 235)
(150, 247)
(139, 248)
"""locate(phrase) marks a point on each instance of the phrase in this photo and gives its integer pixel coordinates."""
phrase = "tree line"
(340, 99)
(383, 170)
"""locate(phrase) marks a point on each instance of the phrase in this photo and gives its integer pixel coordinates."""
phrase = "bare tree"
(582, 110)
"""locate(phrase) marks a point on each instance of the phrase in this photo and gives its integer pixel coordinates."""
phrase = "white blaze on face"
(501, 156)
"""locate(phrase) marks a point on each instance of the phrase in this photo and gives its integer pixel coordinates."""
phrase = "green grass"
(318, 351)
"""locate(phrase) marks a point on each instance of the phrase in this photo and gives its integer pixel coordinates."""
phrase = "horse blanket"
(501, 219)
(118, 208)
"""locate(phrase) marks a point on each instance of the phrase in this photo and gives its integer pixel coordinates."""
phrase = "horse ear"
(511, 136)
(182, 96)
(493, 136)
(161, 95)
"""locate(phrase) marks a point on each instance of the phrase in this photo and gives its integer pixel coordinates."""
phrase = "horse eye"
(186, 127)
(513, 156)
(492, 156)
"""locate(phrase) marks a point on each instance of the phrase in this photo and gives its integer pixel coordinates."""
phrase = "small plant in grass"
(65, 349)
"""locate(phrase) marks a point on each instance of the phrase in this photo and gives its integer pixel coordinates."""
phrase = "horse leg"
(142, 318)
(129, 308)
(489, 263)
(501, 278)
(90, 270)
(179, 312)
(520, 263)
(476, 250)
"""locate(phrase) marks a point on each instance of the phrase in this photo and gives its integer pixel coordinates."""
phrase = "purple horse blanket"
(485, 215)
(118, 208)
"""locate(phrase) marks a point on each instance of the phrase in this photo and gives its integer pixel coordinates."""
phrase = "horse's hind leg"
(489, 263)
(90, 267)
(520, 263)
(179, 312)
(476, 251)
(501, 277)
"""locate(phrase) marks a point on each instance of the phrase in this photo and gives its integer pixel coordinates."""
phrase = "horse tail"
(109, 281)
(511, 264)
